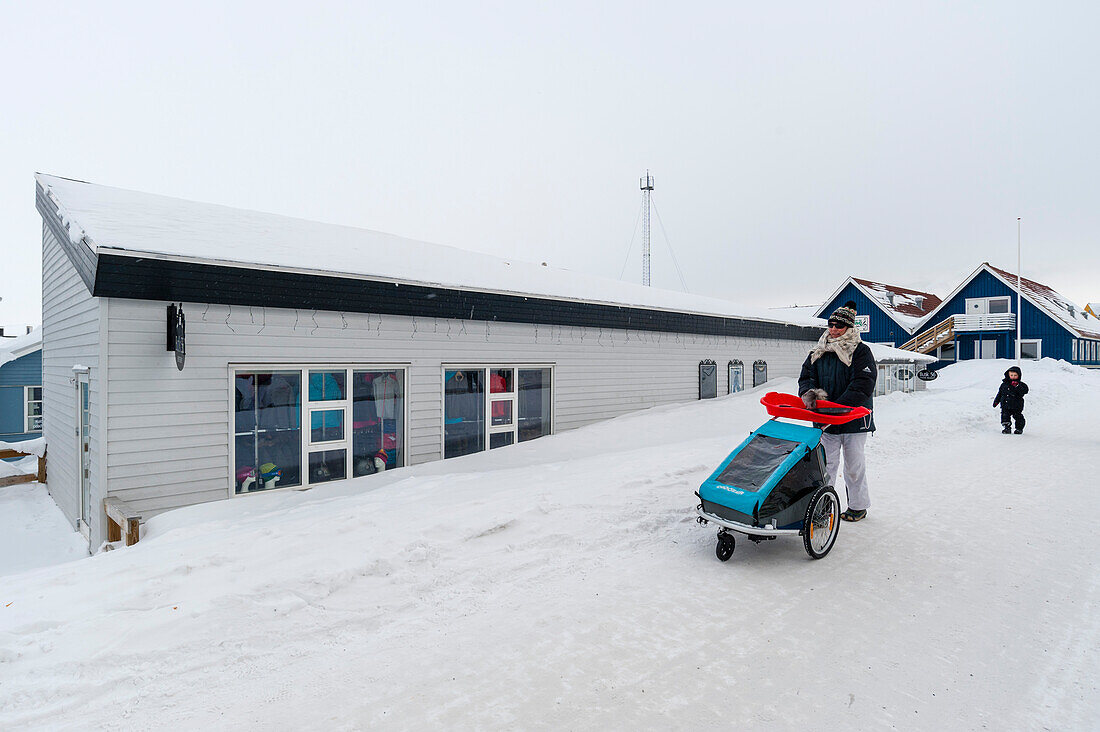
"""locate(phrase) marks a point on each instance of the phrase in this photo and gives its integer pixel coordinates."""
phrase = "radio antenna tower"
(646, 184)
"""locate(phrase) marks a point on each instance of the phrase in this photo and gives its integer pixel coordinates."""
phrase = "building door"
(83, 446)
(988, 348)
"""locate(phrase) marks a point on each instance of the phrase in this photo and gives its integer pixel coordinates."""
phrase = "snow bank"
(564, 583)
(37, 446)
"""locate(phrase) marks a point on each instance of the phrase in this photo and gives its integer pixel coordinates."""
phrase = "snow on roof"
(13, 348)
(889, 353)
(118, 220)
(800, 313)
(907, 306)
(1094, 308)
(1052, 303)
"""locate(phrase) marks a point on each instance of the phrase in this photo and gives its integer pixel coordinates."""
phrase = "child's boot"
(1007, 428)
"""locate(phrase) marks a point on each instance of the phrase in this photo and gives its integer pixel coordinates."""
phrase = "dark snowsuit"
(852, 385)
(1011, 398)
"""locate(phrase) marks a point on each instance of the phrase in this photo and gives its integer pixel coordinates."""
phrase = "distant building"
(891, 313)
(1093, 309)
(978, 320)
(21, 387)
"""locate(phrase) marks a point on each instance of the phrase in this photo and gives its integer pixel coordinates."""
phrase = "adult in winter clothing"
(842, 369)
(1011, 398)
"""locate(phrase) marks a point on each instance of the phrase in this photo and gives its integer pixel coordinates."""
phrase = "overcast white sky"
(792, 144)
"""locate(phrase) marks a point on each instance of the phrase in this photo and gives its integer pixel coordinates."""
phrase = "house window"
(1031, 349)
(1073, 354)
(736, 379)
(947, 352)
(348, 432)
(515, 407)
(999, 305)
(759, 372)
(32, 399)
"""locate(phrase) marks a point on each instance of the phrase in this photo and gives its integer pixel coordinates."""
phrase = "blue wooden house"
(978, 320)
(21, 387)
(888, 314)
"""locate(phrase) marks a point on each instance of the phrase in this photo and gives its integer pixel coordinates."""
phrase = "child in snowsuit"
(1011, 398)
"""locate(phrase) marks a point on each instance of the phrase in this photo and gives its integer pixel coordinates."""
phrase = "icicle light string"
(263, 325)
(295, 320)
(343, 321)
(414, 329)
(204, 312)
(227, 317)
(315, 323)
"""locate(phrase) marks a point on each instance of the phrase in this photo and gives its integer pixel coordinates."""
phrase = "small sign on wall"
(863, 322)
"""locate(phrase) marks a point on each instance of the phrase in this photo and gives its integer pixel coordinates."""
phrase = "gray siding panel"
(70, 336)
(169, 430)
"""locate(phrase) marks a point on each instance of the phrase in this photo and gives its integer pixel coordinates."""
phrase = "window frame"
(307, 406)
(1038, 348)
(489, 397)
(734, 362)
(27, 401)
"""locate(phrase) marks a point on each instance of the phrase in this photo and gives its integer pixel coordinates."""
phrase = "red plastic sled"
(791, 407)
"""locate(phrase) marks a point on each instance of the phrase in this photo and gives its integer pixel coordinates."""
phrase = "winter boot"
(1019, 430)
(1007, 428)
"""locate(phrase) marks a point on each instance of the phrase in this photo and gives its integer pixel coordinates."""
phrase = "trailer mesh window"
(754, 464)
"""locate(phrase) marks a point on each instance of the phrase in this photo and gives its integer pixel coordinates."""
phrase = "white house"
(311, 352)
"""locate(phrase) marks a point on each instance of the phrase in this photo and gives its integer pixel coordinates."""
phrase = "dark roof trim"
(147, 278)
(82, 257)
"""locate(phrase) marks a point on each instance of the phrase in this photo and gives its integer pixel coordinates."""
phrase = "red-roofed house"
(978, 320)
(889, 314)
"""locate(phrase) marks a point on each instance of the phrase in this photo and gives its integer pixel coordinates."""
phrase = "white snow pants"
(855, 473)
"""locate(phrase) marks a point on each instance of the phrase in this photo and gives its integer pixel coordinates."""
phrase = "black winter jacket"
(851, 385)
(1011, 396)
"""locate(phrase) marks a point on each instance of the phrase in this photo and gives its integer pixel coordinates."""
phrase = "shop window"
(378, 409)
(463, 412)
(33, 411)
(267, 437)
(736, 377)
(326, 425)
(708, 379)
(326, 465)
(327, 385)
(759, 372)
(533, 403)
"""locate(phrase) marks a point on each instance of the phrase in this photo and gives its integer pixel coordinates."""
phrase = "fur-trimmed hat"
(845, 315)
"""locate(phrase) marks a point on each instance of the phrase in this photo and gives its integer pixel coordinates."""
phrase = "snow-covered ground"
(564, 583)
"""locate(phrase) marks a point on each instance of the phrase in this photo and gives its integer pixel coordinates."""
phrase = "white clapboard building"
(310, 352)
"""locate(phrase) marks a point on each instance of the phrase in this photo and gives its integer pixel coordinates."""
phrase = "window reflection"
(534, 403)
(463, 412)
(267, 437)
(378, 412)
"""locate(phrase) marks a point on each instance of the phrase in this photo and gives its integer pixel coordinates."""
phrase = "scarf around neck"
(843, 347)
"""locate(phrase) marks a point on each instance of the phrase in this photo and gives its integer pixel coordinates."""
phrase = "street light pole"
(1019, 313)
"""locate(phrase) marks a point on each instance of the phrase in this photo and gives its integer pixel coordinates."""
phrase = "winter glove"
(810, 397)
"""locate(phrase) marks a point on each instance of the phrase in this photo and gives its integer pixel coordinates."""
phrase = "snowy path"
(564, 583)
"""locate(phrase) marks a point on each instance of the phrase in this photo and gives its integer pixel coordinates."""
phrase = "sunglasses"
(836, 324)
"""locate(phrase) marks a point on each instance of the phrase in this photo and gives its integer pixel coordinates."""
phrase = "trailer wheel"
(724, 549)
(822, 522)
